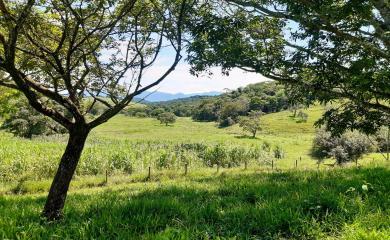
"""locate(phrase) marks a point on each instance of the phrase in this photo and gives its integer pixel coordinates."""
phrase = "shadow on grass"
(298, 205)
(246, 137)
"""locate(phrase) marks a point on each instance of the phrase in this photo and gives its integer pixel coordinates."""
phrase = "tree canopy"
(251, 123)
(166, 118)
(322, 50)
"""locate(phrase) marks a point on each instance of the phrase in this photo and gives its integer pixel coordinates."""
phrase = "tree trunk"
(59, 188)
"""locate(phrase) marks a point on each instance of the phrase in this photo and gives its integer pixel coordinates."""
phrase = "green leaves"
(323, 51)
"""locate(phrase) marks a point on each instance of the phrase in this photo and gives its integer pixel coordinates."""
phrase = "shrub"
(27, 122)
(141, 115)
(237, 155)
(167, 118)
(383, 139)
(157, 111)
(266, 146)
(278, 152)
(251, 123)
(303, 116)
(347, 147)
(215, 155)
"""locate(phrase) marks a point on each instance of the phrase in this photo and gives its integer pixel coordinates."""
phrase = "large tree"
(57, 52)
(322, 50)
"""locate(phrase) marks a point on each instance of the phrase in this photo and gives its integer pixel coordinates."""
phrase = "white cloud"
(181, 81)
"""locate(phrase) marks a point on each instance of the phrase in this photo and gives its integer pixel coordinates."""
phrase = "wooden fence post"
(149, 173)
(272, 164)
(186, 169)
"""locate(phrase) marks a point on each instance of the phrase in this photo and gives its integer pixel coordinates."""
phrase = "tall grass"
(336, 204)
(38, 159)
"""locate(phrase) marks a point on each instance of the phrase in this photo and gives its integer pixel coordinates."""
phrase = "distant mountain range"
(162, 96)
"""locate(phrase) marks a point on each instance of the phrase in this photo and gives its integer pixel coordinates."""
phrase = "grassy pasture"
(257, 203)
(330, 204)
(127, 145)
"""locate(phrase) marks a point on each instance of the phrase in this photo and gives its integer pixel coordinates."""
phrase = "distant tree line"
(266, 97)
(225, 109)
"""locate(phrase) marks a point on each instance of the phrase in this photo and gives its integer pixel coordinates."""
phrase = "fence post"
(272, 164)
(149, 173)
(186, 169)
(296, 163)
(246, 165)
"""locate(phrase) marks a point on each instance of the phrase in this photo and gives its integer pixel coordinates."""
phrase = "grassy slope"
(279, 129)
(248, 204)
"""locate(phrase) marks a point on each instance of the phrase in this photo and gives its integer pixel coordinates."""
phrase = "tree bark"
(59, 188)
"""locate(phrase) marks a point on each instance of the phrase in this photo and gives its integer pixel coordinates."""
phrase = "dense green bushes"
(347, 147)
(21, 119)
(166, 118)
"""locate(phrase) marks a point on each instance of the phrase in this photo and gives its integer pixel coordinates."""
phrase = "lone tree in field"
(58, 52)
(166, 118)
(323, 51)
(251, 123)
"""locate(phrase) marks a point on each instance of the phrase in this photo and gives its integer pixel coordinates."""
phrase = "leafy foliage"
(27, 122)
(266, 97)
(251, 123)
(302, 116)
(321, 50)
(348, 147)
(22, 120)
(166, 118)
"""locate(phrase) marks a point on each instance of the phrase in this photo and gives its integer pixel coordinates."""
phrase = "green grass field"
(286, 202)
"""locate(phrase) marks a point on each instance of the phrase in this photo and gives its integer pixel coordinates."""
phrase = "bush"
(167, 118)
(157, 111)
(383, 139)
(348, 147)
(216, 155)
(278, 152)
(302, 116)
(237, 155)
(141, 115)
(27, 123)
(251, 123)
